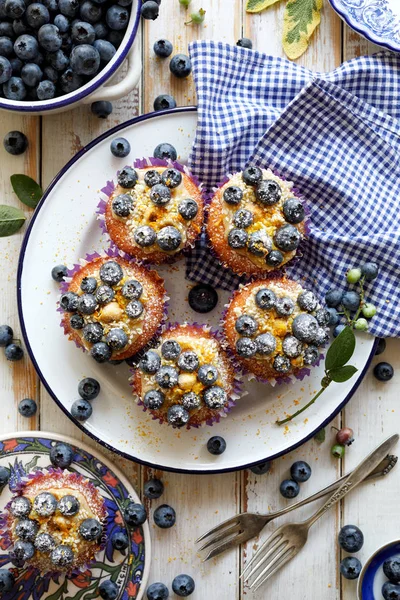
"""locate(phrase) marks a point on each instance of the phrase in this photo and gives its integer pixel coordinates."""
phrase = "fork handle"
(357, 476)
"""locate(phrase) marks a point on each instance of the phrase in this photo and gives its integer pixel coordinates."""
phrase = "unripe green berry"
(338, 450)
(325, 381)
(185, 2)
(353, 275)
(361, 325)
(197, 17)
(369, 310)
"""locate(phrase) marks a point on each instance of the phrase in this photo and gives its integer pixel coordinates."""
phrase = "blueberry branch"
(301, 410)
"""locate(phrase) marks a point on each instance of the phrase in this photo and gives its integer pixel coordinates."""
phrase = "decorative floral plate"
(25, 452)
(377, 20)
(63, 229)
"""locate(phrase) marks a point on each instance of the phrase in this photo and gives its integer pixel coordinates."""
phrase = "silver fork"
(241, 528)
(287, 541)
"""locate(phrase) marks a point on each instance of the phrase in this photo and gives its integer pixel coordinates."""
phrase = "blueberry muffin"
(188, 379)
(275, 328)
(154, 212)
(255, 223)
(112, 307)
(56, 522)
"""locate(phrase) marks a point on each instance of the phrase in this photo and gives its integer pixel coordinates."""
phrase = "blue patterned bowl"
(377, 20)
(372, 576)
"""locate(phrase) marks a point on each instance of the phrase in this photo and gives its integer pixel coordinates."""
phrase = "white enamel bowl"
(62, 230)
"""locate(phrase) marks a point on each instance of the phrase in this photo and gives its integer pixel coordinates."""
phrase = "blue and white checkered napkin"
(336, 135)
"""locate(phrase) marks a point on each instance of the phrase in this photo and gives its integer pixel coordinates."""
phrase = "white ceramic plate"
(376, 20)
(25, 452)
(62, 230)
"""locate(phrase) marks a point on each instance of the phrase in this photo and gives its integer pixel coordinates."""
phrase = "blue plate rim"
(65, 168)
(368, 563)
(366, 34)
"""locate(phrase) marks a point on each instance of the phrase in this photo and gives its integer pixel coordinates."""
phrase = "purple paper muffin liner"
(113, 253)
(237, 386)
(299, 375)
(142, 163)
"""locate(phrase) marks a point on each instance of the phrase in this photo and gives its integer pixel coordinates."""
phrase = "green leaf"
(343, 373)
(341, 350)
(300, 20)
(27, 190)
(11, 220)
(320, 436)
(255, 6)
(31, 464)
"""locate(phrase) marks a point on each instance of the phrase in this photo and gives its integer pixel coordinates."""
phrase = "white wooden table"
(202, 501)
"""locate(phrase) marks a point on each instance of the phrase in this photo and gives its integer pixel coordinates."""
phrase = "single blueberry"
(93, 332)
(150, 363)
(152, 177)
(135, 514)
(62, 23)
(351, 300)
(45, 504)
(81, 410)
(4, 475)
(188, 361)
(49, 38)
(111, 272)
(104, 294)
(170, 350)
(70, 81)
(191, 400)
(127, 177)
(293, 211)
(61, 455)
(132, 289)
(59, 272)
(167, 377)
(45, 543)
(289, 488)
(134, 309)
(68, 505)
(27, 407)
(120, 541)
(117, 339)
(163, 48)
(14, 89)
(243, 218)
(14, 9)
(260, 243)
(46, 90)
(16, 142)
(383, 371)
(85, 60)
(101, 352)
(153, 399)
(265, 344)
(188, 209)
(261, 468)
(207, 374)
(338, 329)
(246, 347)
(180, 66)
(89, 388)
(62, 556)
(268, 192)
(169, 238)
(281, 364)
(333, 298)
(305, 327)
(6, 335)
(160, 194)
(145, 236)
(89, 285)
(20, 507)
(287, 238)
(274, 258)
(215, 397)
(101, 108)
(216, 445)
(164, 516)
(284, 307)
(252, 175)
(165, 150)
(6, 46)
(157, 591)
(350, 567)
(6, 71)
(183, 585)
(120, 147)
(370, 270)
(323, 317)
(105, 49)
(391, 568)
(203, 298)
(13, 352)
(300, 471)
(22, 551)
(233, 195)
(90, 12)
(153, 488)
(245, 43)
(117, 17)
(307, 301)
(265, 299)
(291, 346)
(90, 530)
(237, 238)
(391, 591)
(351, 539)
(177, 416)
(311, 355)
(83, 33)
(164, 102)
(122, 205)
(380, 348)
(37, 15)
(246, 325)
(87, 304)
(69, 301)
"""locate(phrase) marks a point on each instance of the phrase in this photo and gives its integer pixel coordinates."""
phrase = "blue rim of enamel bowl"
(73, 97)
(364, 31)
(69, 165)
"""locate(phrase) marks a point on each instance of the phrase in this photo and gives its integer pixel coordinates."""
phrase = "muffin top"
(111, 304)
(154, 212)
(276, 327)
(56, 521)
(260, 220)
(187, 378)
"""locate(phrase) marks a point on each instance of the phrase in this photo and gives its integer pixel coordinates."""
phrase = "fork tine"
(287, 557)
(274, 537)
(240, 538)
(260, 560)
(233, 521)
(221, 536)
(284, 550)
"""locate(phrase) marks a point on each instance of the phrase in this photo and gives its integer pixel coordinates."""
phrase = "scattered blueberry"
(261, 468)
(61, 455)
(180, 66)
(216, 445)
(380, 348)
(383, 371)
(351, 539)
(165, 150)
(153, 488)
(27, 407)
(163, 48)
(150, 10)
(245, 43)
(370, 270)
(81, 409)
(135, 514)
(6, 335)
(89, 388)
(15, 142)
(183, 585)
(391, 568)
(7, 581)
(300, 471)
(157, 591)
(164, 516)
(391, 591)
(4, 475)
(120, 541)
(333, 298)
(164, 102)
(289, 488)
(14, 352)
(101, 109)
(108, 590)
(202, 298)
(350, 567)
(120, 147)
(59, 272)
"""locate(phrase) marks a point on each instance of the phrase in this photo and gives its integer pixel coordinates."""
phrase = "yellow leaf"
(299, 23)
(255, 6)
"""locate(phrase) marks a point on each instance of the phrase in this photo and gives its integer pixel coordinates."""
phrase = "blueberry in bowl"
(380, 575)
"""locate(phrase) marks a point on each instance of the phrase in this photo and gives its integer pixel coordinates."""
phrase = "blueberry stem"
(290, 417)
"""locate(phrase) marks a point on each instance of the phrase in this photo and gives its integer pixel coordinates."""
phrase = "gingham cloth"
(336, 135)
